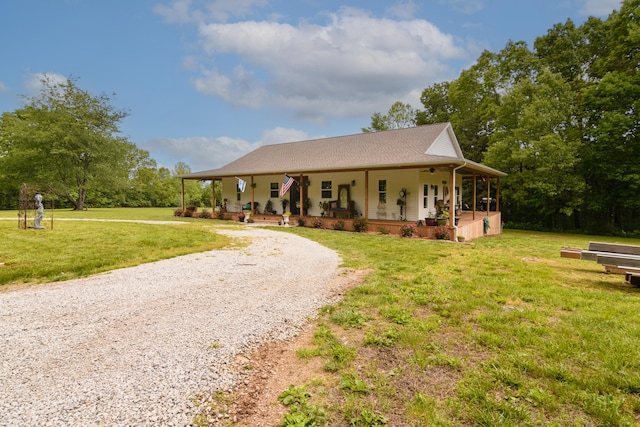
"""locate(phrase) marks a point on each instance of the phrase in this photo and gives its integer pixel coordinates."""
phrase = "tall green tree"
(399, 116)
(151, 185)
(612, 114)
(535, 144)
(67, 141)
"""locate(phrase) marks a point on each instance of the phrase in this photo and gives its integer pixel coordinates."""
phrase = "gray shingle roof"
(374, 150)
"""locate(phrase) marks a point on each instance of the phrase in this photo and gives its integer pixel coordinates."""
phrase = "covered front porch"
(464, 197)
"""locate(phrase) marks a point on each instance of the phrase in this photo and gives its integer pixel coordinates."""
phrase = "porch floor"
(469, 225)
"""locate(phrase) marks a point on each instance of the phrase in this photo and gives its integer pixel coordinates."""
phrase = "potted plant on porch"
(324, 205)
(430, 220)
(443, 219)
(285, 218)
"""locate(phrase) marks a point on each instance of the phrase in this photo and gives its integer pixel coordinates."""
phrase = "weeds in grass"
(301, 412)
(384, 339)
(398, 315)
(352, 383)
(340, 357)
(516, 335)
(367, 418)
(348, 318)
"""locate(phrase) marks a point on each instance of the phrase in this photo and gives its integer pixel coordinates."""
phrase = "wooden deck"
(468, 226)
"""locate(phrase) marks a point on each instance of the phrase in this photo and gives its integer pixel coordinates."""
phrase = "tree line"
(562, 119)
(66, 143)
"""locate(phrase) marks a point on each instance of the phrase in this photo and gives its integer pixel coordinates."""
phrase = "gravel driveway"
(134, 346)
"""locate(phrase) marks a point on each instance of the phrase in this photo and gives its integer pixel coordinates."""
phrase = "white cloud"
(222, 10)
(3, 87)
(403, 10)
(468, 7)
(601, 8)
(352, 65)
(203, 153)
(178, 12)
(278, 135)
(34, 85)
(200, 153)
(184, 11)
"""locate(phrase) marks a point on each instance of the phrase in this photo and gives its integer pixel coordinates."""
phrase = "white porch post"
(182, 198)
(252, 195)
(366, 194)
(452, 195)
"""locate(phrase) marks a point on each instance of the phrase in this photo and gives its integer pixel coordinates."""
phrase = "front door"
(294, 194)
(430, 194)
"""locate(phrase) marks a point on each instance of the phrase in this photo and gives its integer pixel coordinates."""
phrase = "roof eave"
(451, 162)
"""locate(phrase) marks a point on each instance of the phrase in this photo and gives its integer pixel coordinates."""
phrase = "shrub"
(178, 212)
(301, 221)
(205, 214)
(338, 225)
(360, 224)
(383, 230)
(317, 223)
(408, 230)
(442, 233)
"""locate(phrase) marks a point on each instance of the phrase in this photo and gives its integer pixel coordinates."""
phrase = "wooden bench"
(616, 258)
(339, 212)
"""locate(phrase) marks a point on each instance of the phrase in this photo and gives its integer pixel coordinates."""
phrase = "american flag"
(286, 184)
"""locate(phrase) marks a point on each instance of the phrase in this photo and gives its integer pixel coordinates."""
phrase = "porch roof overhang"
(420, 147)
(468, 168)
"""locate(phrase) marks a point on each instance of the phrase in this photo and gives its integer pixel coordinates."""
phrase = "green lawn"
(97, 213)
(500, 331)
(80, 248)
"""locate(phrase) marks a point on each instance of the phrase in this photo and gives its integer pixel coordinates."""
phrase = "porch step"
(269, 221)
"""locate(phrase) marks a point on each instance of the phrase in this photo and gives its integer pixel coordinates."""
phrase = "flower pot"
(285, 218)
(430, 221)
(441, 222)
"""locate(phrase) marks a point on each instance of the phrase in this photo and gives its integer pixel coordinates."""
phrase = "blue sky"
(206, 81)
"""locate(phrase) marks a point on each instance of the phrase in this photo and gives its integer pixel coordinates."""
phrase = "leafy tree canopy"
(68, 142)
(562, 119)
(399, 116)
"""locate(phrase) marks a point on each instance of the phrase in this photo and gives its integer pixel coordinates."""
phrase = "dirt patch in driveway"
(268, 372)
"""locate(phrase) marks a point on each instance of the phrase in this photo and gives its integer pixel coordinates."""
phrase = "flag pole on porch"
(286, 184)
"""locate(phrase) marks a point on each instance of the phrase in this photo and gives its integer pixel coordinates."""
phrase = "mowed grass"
(501, 331)
(158, 214)
(80, 248)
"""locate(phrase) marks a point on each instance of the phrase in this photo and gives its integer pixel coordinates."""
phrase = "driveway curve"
(135, 346)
